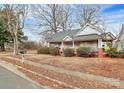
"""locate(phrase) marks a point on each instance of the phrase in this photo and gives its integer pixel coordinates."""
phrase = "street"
(9, 80)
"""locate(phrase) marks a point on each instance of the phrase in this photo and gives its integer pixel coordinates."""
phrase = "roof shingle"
(58, 37)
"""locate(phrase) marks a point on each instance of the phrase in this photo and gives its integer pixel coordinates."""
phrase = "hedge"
(69, 52)
(54, 51)
(83, 51)
(43, 50)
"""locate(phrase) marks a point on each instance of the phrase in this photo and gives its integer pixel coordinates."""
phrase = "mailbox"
(23, 51)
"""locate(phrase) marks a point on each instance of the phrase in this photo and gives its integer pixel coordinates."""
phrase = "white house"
(89, 36)
(119, 42)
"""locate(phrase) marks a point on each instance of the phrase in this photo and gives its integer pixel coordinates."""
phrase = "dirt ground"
(108, 67)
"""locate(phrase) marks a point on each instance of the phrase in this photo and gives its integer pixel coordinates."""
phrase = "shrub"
(54, 51)
(83, 51)
(68, 52)
(106, 47)
(43, 50)
(93, 54)
(112, 52)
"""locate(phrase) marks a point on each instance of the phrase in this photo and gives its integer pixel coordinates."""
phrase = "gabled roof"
(67, 38)
(89, 37)
(59, 36)
(89, 29)
(78, 34)
(108, 34)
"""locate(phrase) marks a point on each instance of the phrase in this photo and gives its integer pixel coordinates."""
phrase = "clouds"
(114, 8)
(112, 16)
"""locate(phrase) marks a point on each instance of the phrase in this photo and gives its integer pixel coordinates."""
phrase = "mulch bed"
(75, 81)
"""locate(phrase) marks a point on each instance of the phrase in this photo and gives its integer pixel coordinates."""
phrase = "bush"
(83, 51)
(112, 52)
(68, 52)
(54, 51)
(93, 54)
(43, 50)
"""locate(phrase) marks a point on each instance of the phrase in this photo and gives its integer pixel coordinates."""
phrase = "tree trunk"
(2, 47)
(14, 50)
(15, 45)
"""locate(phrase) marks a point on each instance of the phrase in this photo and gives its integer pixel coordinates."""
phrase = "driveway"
(9, 80)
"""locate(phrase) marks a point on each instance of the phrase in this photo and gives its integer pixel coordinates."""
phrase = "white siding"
(120, 44)
(122, 37)
(67, 38)
(87, 31)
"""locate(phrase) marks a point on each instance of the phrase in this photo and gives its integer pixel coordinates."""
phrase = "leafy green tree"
(12, 23)
(15, 14)
(5, 36)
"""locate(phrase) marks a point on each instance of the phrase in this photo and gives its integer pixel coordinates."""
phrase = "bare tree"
(88, 15)
(16, 15)
(51, 18)
(46, 16)
(65, 17)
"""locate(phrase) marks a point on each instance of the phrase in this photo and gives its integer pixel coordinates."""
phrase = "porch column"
(62, 49)
(62, 45)
(73, 43)
(48, 44)
(100, 51)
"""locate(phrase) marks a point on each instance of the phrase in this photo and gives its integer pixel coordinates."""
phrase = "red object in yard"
(61, 51)
(100, 52)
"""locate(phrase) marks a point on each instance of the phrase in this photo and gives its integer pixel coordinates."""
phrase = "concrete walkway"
(10, 80)
(84, 76)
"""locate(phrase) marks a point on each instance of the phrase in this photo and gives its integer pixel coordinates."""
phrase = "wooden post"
(48, 44)
(22, 58)
(100, 51)
(73, 43)
(62, 49)
(62, 45)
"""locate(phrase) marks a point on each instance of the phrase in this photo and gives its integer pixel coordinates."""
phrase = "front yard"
(110, 67)
(59, 72)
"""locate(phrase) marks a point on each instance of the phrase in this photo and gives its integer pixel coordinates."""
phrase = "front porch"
(95, 45)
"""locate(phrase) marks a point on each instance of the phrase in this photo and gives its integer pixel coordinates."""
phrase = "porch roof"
(90, 37)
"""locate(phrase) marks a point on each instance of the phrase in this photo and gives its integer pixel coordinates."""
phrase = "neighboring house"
(119, 42)
(88, 36)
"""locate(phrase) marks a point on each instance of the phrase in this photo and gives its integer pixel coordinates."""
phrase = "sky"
(111, 14)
